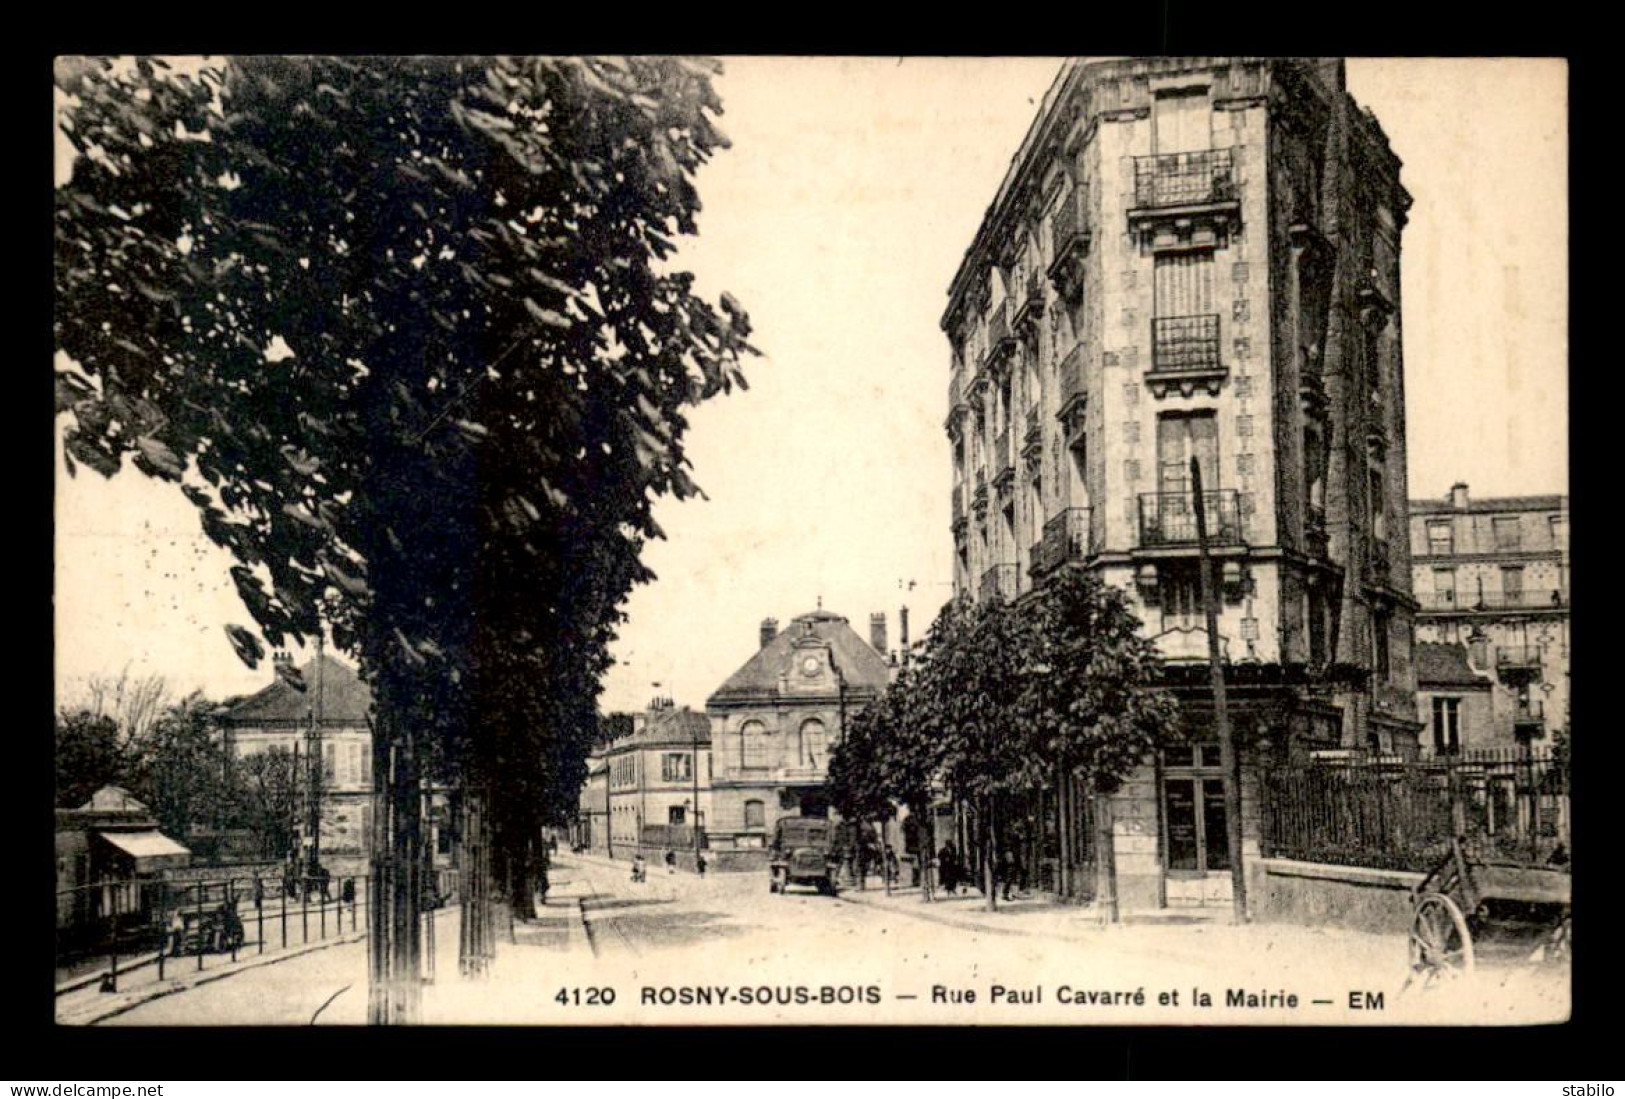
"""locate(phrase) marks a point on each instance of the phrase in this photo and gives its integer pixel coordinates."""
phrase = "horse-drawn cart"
(1469, 910)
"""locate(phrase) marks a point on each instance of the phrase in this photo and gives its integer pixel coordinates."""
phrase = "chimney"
(902, 627)
(282, 657)
(877, 632)
(770, 630)
(1458, 496)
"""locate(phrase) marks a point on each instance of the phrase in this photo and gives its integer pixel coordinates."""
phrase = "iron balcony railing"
(1530, 711)
(1072, 378)
(1070, 228)
(999, 339)
(999, 582)
(1066, 538)
(1169, 518)
(1002, 458)
(1184, 179)
(1517, 656)
(1185, 344)
(1532, 599)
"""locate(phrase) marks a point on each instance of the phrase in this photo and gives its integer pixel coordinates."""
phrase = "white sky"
(838, 219)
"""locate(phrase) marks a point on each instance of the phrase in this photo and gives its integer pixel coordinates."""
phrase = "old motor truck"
(802, 855)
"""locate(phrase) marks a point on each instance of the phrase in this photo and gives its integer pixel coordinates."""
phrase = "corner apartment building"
(1199, 258)
(1492, 575)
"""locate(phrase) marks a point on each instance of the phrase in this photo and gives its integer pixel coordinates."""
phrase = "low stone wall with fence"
(1326, 895)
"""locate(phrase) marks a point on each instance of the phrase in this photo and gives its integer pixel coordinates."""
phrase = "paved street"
(681, 949)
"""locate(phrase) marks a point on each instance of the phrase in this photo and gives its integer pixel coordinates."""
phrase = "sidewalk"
(1193, 938)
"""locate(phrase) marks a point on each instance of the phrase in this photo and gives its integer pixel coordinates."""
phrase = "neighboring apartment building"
(329, 716)
(659, 783)
(1493, 575)
(1198, 258)
(590, 832)
(775, 720)
(1455, 703)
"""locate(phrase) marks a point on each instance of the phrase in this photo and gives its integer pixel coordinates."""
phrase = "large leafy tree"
(183, 773)
(407, 334)
(88, 756)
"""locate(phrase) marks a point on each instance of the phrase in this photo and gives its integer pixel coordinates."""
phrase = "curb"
(952, 921)
(92, 1016)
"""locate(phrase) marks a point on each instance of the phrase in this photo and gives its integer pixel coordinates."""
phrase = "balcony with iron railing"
(1168, 519)
(999, 582)
(1066, 539)
(1517, 657)
(1069, 244)
(1175, 180)
(1000, 343)
(1029, 304)
(1464, 602)
(1528, 712)
(1032, 436)
(1073, 393)
(1004, 462)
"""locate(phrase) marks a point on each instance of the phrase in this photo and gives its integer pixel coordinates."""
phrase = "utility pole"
(316, 762)
(1229, 761)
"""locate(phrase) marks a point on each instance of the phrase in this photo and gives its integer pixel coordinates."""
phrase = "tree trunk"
(1105, 856)
(1063, 805)
(989, 856)
(394, 889)
(476, 946)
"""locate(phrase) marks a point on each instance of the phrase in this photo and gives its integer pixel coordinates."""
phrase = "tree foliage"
(406, 333)
(88, 756)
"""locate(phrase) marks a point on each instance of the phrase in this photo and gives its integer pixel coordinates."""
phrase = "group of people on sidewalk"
(1009, 875)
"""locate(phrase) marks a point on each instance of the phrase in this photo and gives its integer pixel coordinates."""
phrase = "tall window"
(1180, 591)
(676, 814)
(330, 755)
(814, 743)
(1380, 621)
(1446, 726)
(1183, 121)
(1379, 503)
(1184, 284)
(1440, 541)
(1512, 585)
(1560, 531)
(1180, 437)
(755, 816)
(1508, 535)
(754, 745)
(1444, 587)
(675, 767)
(1317, 628)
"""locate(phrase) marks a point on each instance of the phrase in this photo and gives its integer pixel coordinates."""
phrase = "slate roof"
(1491, 503)
(345, 698)
(863, 668)
(1445, 665)
(674, 727)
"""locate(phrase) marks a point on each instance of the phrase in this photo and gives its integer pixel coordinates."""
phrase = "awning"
(152, 850)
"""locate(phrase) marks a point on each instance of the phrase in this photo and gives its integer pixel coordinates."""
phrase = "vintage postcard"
(775, 540)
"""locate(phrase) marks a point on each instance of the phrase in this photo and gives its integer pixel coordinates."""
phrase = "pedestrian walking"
(1008, 869)
(948, 868)
(893, 868)
(259, 894)
(542, 882)
(671, 862)
(699, 862)
(639, 872)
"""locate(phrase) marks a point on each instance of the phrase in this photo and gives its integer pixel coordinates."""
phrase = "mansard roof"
(864, 670)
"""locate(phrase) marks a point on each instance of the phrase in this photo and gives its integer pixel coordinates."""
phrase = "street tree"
(183, 773)
(1091, 698)
(88, 756)
(408, 335)
(856, 780)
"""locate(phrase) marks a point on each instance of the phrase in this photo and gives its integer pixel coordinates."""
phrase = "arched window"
(814, 744)
(753, 745)
(755, 816)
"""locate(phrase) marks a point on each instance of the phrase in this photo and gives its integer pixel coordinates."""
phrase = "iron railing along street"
(1400, 814)
(1181, 345)
(1169, 518)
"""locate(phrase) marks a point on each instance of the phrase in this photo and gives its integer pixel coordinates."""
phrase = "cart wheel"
(1441, 947)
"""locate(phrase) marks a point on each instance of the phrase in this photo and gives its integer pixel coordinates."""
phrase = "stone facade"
(1492, 575)
(1198, 258)
(773, 724)
(658, 782)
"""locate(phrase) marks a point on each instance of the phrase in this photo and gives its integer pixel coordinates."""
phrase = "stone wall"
(1323, 895)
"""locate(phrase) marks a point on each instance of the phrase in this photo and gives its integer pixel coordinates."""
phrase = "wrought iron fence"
(1397, 814)
(1185, 344)
(1184, 179)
